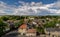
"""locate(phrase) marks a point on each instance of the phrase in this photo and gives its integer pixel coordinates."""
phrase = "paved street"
(12, 34)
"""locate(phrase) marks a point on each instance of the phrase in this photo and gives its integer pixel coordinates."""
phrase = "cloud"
(5, 9)
(57, 5)
(33, 8)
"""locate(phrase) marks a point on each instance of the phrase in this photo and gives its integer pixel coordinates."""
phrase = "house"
(11, 24)
(31, 32)
(57, 25)
(26, 30)
(25, 20)
(34, 23)
(53, 32)
(22, 29)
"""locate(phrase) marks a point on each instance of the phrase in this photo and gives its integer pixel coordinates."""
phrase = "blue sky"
(30, 7)
(12, 2)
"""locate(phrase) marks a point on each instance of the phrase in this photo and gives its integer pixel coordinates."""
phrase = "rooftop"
(31, 31)
(23, 26)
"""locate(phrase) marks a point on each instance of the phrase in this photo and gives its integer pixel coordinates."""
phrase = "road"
(13, 33)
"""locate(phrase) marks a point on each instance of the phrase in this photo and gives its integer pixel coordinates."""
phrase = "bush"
(2, 27)
(4, 18)
(50, 24)
(17, 24)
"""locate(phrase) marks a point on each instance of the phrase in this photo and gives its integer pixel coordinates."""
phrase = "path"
(12, 34)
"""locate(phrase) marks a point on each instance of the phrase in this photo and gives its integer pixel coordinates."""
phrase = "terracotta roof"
(23, 26)
(31, 31)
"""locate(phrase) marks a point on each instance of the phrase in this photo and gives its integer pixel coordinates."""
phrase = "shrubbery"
(2, 27)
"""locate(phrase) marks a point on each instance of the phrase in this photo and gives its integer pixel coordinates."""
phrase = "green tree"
(5, 18)
(2, 27)
(17, 24)
(50, 24)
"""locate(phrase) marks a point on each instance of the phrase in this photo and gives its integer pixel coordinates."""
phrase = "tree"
(50, 24)
(2, 27)
(17, 24)
(5, 18)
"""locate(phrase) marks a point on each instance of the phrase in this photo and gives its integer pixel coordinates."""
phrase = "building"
(31, 32)
(25, 20)
(22, 29)
(53, 32)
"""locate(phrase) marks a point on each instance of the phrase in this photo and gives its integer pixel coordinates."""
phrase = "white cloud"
(57, 4)
(32, 8)
(6, 9)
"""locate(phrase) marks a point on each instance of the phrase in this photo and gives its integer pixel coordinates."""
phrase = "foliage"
(14, 17)
(50, 24)
(2, 27)
(17, 24)
(40, 30)
(5, 18)
(20, 18)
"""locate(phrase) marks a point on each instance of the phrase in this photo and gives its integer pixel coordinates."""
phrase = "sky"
(29, 7)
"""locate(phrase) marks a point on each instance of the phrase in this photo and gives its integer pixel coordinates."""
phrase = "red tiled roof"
(31, 31)
(23, 26)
